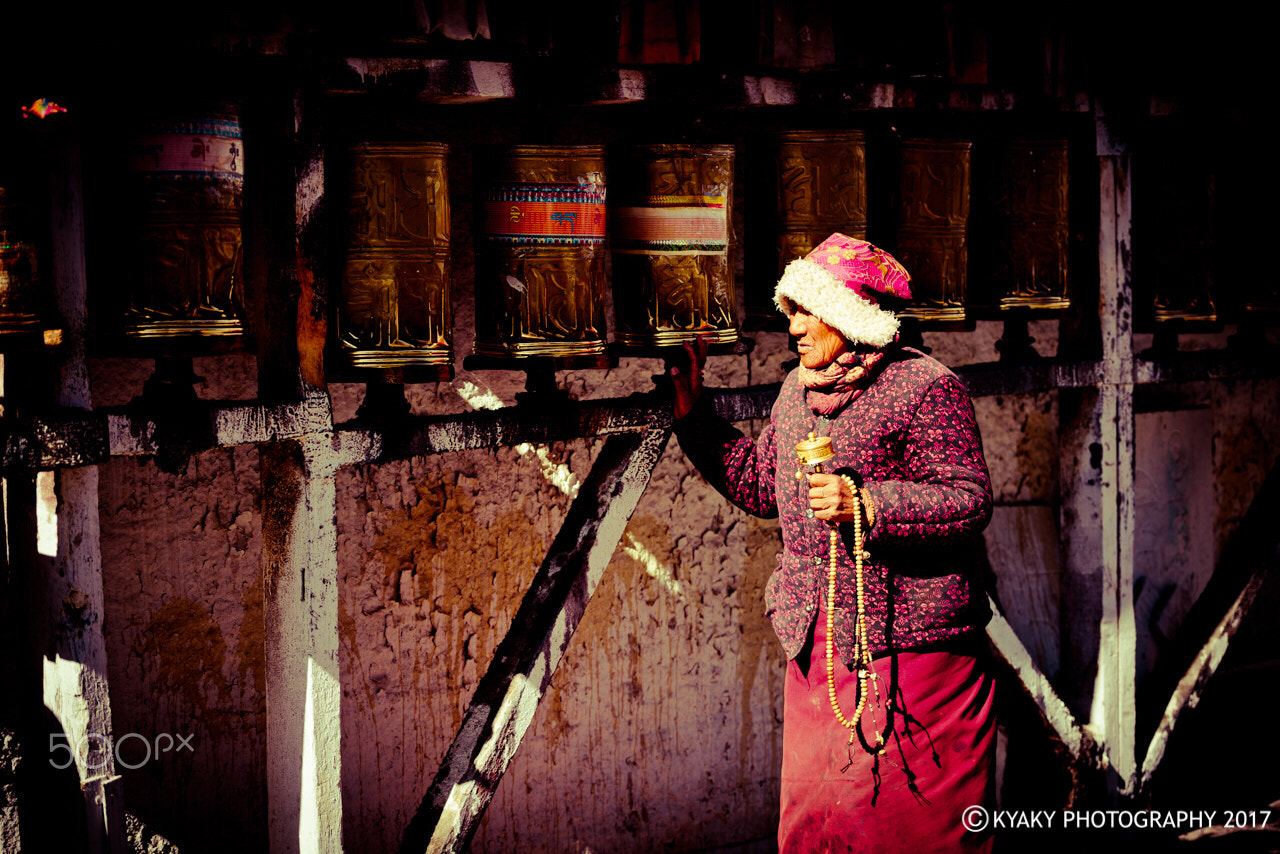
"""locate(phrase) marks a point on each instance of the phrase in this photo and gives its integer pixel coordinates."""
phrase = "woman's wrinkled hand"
(688, 383)
(832, 500)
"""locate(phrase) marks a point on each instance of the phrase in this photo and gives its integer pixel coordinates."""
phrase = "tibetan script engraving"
(396, 308)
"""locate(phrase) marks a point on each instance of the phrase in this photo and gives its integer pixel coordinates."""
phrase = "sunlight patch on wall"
(561, 477)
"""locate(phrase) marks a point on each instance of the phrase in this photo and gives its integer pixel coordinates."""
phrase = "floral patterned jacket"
(913, 437)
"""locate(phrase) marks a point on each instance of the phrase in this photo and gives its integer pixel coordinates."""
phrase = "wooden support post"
(299, 528)
(311, 237)
(1192, 685)
(11, 637)
(300, 578)
(507, 697)
(75, 653)
(1097, 437)
(1007, 645)
(1114, 713)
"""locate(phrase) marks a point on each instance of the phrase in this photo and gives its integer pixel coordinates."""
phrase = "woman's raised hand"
(688, 382)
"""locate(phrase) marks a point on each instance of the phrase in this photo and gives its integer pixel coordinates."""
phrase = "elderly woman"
(889, 724)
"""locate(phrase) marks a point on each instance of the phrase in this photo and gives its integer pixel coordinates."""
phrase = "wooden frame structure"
(302, 449)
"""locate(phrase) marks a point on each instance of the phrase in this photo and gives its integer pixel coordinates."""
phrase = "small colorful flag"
(43, 108)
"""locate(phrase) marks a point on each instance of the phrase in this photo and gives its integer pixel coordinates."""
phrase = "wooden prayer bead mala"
(815, 451)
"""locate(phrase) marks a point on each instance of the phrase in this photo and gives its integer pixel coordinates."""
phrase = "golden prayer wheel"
(1031, 233)
(1262, 297)
(672, 266)
(19, 272)
(1173, 221)
(933, 215)
(188, 185)
(396, 309)
(540, 275)
(814, 450)
(822, 189)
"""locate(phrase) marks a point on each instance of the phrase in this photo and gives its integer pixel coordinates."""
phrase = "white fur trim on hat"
(835, 304)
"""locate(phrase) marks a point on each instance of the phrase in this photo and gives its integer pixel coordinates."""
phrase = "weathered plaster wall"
(1173, 537)
(10, 760)
(434, 556)
(185, 645)
(1246, 427)
(184, 627)
(1020, 440)
(661, 730)
(1202, 454)
(667, 708)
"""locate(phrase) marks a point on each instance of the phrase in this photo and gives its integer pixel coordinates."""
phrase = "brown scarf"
(832, 388)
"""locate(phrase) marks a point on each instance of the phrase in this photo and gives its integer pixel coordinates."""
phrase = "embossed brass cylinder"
(1173, 232)
(20, 283)
(822, 189)
(186, 267)
(540, 232)
(673, 278)
(1030, 242)
(933, 216)
(396, 309)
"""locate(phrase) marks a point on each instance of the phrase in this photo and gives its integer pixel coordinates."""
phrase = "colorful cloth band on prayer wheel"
(19, 272)
(188, 187)
(540, 276)
(396, 309)
(1031, 242)
(933, 215)
(672, 267)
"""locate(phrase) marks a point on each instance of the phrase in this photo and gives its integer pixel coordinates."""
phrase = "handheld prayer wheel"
(814, 451)
(187, 182)
(933, 215)
(396, 310)
(19, 272)
(673, 276)
(1031, 234)
(540, 273)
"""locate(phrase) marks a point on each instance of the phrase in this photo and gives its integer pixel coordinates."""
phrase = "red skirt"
(940, 757)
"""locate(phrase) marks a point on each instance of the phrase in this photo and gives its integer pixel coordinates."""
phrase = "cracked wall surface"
(185, 648)
(662, 728)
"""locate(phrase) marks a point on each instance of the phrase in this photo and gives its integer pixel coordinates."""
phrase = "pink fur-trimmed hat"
(842, 282)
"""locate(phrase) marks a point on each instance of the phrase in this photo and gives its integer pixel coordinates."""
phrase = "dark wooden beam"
(60, 440)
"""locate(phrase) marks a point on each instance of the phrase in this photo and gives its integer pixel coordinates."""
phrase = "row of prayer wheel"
(543, 230)
(541, 225)
(19, 271)
(177, 234)
(822, 188)
(185, 251)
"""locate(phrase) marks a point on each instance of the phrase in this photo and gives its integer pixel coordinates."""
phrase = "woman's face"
(818, 343)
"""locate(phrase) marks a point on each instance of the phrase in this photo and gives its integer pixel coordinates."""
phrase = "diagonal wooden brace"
(508, 695)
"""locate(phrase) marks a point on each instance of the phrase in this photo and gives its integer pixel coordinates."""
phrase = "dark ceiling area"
(1127, 52)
